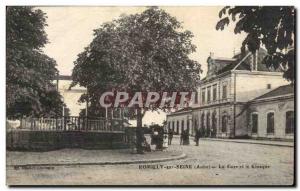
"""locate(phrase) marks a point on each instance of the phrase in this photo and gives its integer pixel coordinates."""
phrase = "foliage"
(142, 52)
(29, 72)
(272, 27)
(138, 53)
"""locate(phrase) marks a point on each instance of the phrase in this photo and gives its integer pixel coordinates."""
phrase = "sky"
(70, 30)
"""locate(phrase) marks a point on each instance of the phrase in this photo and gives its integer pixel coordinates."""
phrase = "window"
(208, 120)
(215, 92)
(188, 125)
(177, 129)
(173, 126)
(289, 122)
(224, 123)
(196, 97)
(182, 126)
(254, 122)
(269, 86)
(214, 120)
(203, 95)
(224, 91)
(208, 94)
(202, 121)
(169, 125)
(270, 123)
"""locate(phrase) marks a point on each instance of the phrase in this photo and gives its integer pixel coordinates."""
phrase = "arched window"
(254, 122)
(270, 123)
(208, 120)
(289, 122)
(214, 120)
(173, 126)
(224, 123)
(214, 123)
(202, 121)
(195, 124)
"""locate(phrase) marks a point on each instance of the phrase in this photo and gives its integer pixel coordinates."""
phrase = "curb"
(257, 143)
(182, 156)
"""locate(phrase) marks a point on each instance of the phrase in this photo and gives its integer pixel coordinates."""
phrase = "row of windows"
(212, 89)
(176, 129)
(289, 122)
(206, 122)
(213, 123)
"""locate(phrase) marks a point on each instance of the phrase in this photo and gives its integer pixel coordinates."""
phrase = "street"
(211, 163)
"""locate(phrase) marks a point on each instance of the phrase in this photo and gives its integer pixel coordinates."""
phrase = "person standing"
(181, 137)
(185, 138)
(170, 136)
(166, 143)
(197, 136)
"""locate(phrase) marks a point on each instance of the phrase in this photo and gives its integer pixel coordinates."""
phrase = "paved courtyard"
(211, 163)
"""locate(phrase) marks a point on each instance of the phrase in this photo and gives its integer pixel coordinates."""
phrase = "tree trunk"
(139, 133)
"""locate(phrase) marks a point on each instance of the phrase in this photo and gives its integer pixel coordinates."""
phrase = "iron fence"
(70, 123)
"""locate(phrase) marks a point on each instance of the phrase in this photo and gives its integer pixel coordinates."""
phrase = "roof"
(241, 61)
(280, 91)
(186, 109)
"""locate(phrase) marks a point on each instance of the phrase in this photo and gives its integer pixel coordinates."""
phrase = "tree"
(272, 27)
(29, 72)
(138, 53)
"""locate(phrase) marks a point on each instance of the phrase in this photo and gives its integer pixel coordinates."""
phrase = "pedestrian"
(145, 145)
(186, 137)
(197, 136)
(154, 138)
(170, 136)
(181, 137)
(165, 144)
(160, 140)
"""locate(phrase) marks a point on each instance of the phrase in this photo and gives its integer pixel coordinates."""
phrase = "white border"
(5, 3)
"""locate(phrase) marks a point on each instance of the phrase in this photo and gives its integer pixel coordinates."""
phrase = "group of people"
(185, 137)
(161, 139)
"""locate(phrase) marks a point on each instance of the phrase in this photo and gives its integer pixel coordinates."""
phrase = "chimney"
(210, 63)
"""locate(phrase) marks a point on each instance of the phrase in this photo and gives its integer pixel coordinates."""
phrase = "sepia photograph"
(150, 95)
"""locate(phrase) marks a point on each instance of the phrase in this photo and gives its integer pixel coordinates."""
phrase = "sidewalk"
(249, 141)
(254, 141)
(65, 157)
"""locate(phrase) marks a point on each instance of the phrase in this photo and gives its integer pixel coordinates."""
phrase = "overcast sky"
(70, 29)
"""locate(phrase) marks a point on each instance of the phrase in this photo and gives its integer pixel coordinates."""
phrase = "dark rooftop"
(245, 64)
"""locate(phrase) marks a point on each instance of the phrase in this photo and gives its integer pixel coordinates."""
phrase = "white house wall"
(251, 86)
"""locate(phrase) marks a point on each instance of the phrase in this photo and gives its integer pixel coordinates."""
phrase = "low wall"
(51, 140)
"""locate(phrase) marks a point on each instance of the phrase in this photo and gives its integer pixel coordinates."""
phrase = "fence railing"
(70, 123)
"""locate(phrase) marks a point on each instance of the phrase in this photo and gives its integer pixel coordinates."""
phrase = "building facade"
(180, 120)
(272, 115)
(226, 93)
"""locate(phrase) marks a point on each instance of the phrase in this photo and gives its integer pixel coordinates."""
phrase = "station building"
(230, 94)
